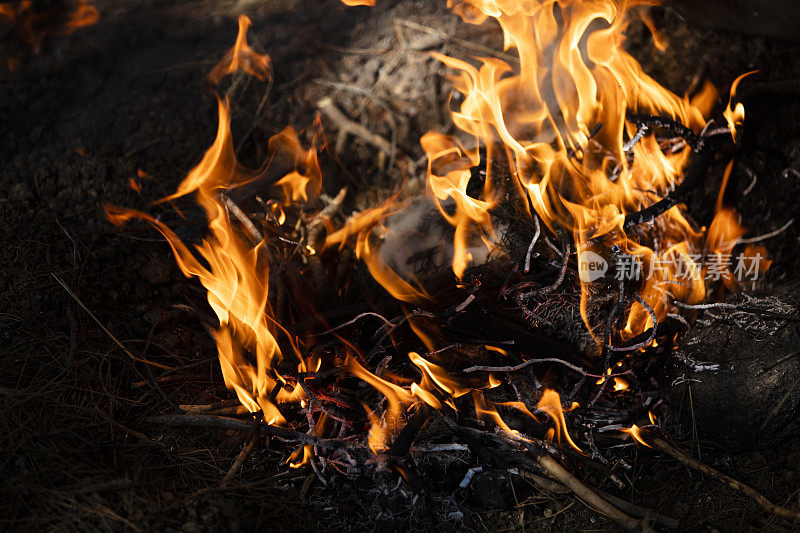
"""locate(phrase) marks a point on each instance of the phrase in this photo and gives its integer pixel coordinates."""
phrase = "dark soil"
(127, 100)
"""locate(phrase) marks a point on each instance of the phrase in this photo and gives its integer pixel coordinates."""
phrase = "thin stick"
(554, 487)
(105, 330)
(222, 422)
(440, 34)
(241, 217)
(753, 180)
(250, 443)
(695, 436)
(533, 243)
(588, 495)
(335, 115)
(766, 235)
(317, 224)
(350, 322)
(524, 297)
(792, 387)
(639, 512)
(732, 483)
(546, 484)
(649, 339)
(520, 366)
(222, 404)
(691, 180)
(635, 139)
(716, 305)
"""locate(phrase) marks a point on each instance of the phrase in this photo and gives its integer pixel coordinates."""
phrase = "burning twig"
(353, 321)
(314, 232)
(729, 481)
(676, 128)
(613, 314)
(705, 150)
(405, 439)
(313, 400)
(317, 224)
(653, 330)
(643, 129)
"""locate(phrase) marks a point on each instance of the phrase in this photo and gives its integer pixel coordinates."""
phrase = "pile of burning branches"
(522, 307)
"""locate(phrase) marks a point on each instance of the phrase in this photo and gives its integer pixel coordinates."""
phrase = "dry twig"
(589, 496)
(729, 481)
(335, 115)
(222, 422)
(249, 444)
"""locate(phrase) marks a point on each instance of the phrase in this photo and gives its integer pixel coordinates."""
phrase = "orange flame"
(241, 56)
(735, 116)
(85, 14)
(559, 122)
(550, 403)
(636, 432)
(233, 270)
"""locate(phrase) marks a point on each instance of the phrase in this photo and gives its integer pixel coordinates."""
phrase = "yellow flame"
(550, 403)
(558, 121)
(243, 57)
(233, 270)
(735, 116)
(636, 432)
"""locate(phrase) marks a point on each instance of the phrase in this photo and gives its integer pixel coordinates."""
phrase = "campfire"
(537, 290)
(522, 286)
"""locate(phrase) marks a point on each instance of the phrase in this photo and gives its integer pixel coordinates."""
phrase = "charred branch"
(693, 176)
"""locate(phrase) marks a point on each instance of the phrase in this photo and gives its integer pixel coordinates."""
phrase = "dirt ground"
(125, 100)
